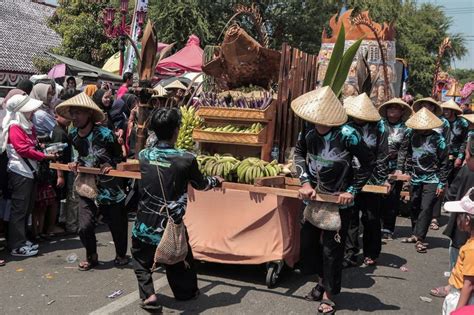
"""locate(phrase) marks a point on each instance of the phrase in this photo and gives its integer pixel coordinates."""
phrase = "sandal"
(420, 247)
(121, 261)
(411, 240)
(439, 292)
(329, 303)
(2, 262)
(434, 225)
(151, 306)
(369, 261)
(316, 293)
(88, 264)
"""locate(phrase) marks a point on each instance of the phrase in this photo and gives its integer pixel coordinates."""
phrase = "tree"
(463, 75)
(79, 23)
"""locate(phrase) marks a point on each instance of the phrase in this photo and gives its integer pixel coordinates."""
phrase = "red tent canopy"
(187, 59)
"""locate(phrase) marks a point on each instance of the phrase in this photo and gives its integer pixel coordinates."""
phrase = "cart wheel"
(272, 275)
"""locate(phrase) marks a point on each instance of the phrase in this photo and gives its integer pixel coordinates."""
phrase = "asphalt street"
(49, 284)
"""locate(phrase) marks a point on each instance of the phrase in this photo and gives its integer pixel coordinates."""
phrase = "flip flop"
(434, 225)
(316, 293)
(439, 292)
(420, 247)
(328, 303)
(153, 306)
(87, 265)
(2, 262)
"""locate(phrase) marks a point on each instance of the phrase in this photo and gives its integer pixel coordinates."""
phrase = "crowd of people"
(341, 148)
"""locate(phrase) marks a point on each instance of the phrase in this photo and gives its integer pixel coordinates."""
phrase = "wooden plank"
(96, 171)
(128, 166)
(270, 181)
(276, 191)
(292, 181)
(402, 177)
(375, 189)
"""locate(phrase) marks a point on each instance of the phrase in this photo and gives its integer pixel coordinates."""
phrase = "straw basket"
(231, 137)
(233, 113)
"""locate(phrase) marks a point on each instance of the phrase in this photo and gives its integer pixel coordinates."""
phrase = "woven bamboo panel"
(237, 113)
(230, 137)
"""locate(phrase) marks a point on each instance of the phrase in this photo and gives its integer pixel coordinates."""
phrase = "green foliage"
(43, 64)
(336, 58)
(344, 67)
(463, 75)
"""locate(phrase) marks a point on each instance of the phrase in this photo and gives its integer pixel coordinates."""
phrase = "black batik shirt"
(177, 169)
(425, 158)
(375, 136)
(325, 161)
(459, 130)
(396, 137)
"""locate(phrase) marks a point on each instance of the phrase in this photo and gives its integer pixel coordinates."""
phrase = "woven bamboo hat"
(451, 104)
(320, 107)
(176, 84)
(407, 111)
(81, 100)
(469, 118)
(417, 105)
(361, 107)
(423, 120)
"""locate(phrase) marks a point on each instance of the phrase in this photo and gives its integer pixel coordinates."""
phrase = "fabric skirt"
(45, 196)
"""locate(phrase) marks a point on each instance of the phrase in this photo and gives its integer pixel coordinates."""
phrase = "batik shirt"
(396, 137)
(177, 168)
(99, 147)
(325, 161)
(425, 158)
(459, 131)
(444, 130)
(375, 136)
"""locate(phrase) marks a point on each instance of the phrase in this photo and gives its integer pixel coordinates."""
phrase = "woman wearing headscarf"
(43, 118)
(19, 140)
(103, 99)
(90, 89)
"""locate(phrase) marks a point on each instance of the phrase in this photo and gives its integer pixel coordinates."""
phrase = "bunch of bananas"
(189, 121)
(254, 128)
(253, 168)
(224, 166)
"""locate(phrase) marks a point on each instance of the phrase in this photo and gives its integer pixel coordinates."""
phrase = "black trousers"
(423, 200)
(181, 277)
(115, 215)
(23, 198)
(320, 248)
(390, 207)
(369, 205)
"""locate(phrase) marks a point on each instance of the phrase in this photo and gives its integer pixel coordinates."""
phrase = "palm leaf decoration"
(340, 63)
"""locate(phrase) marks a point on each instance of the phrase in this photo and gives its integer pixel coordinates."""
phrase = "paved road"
(48, 284)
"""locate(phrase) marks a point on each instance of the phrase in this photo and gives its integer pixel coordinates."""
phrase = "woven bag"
(323, 215)
(173, 246)
(86, 186)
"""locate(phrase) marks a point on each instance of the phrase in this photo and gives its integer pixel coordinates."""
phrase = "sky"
(462, 14)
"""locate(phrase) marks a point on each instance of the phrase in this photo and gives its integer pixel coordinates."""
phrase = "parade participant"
(462, 275)
(97, 147)
(445, 130)
(166, 173)
(365, 118)
(323, 156)
(71, 83)
(19, 140)
(103, 99)
(463, 181)
(425, 159)
(394, 113)
(127, 82)
(25, 85)
(459, 129)
(43, 119)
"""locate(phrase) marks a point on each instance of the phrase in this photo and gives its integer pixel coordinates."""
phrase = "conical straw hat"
(83, 101)
(320, 107)
(159, 91)
(469, 118)
(361, 107)
(424, 120)
(417, 105)
(407, 111)
(451, 104)
(176, 84)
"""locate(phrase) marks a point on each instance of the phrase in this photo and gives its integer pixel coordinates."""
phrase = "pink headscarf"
(10, 94)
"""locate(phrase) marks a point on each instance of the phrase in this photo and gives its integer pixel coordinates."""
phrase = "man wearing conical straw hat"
(426, 161)
(445, 130)
(395, 113)
(365, 118)
(97, 147)
(459, 129)
(323, 157)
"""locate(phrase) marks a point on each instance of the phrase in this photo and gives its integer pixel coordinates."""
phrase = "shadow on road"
(355, 301)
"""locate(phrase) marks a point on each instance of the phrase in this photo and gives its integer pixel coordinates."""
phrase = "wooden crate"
(241, 114)
(256, 139)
